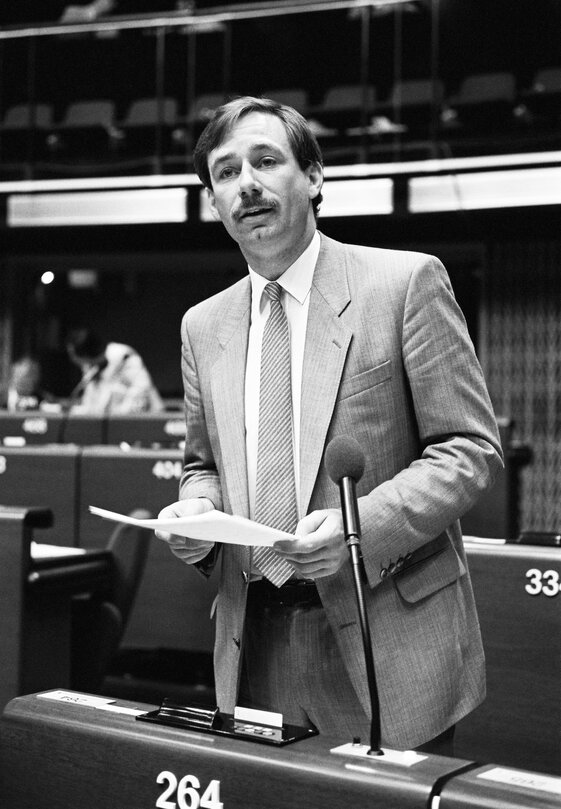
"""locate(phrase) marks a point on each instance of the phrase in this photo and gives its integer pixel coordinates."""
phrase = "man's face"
(261, 194)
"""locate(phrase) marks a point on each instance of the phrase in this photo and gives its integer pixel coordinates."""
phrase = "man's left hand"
(319, 547)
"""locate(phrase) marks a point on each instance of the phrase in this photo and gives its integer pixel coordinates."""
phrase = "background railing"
(379, 79)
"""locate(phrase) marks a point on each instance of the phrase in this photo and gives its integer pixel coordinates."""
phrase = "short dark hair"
(86, 344)
(304, 144)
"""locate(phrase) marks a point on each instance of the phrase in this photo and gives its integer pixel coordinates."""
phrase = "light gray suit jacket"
(388, 360)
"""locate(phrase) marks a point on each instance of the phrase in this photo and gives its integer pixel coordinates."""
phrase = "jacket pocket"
(365, 380)
(430, 572)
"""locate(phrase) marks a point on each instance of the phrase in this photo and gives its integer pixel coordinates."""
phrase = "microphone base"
(401, 758)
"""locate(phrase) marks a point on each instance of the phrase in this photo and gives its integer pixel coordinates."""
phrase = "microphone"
(345, 462)
(90, 375)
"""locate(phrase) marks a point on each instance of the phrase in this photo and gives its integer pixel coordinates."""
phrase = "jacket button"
(399, 563)
(383, 572)
(391, 568)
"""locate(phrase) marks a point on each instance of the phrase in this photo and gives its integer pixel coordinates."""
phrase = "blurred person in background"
(25, 389)
(114, 377)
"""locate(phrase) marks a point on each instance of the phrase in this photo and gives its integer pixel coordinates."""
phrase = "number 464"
(187, 793)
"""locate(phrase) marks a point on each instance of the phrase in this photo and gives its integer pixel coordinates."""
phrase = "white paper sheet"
(40, 550)
(212, 525)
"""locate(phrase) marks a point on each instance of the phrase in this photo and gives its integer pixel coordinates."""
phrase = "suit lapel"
(327, 344)
(228, 383)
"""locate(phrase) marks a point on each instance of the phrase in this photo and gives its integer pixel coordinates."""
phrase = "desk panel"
(45, 477)
(519, 723)
(36, 605)
(147, 430)
(490, 787)
(102, 760)
(172, 608)
(38, 427)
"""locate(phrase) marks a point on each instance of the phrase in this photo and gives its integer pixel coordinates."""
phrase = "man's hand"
(319, 548)
(186, 549)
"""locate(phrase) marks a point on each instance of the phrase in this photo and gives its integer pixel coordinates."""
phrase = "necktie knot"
(273, 291)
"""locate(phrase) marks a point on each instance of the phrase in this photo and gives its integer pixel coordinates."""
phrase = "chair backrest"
(98, 112)
(347, 97)
(147, 112)
(547, 80)
(203, 106)
(21, 116)
(413, 92)
(98, 624)
(129, 545)
(481, 87)
(292, 97)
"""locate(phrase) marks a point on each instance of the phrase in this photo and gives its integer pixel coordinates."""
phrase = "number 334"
(546, 582)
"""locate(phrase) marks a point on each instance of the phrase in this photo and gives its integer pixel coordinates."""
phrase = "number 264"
(187, 793)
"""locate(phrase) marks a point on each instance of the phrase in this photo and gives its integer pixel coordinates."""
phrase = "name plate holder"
(253, 726)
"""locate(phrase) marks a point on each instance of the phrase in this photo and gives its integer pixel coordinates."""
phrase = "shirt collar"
(296, 280)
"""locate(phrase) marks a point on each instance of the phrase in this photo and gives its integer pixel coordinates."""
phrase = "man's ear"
(211, 204)
(315, 179)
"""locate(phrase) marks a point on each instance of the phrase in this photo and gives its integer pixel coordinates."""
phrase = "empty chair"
(84, 114)
(98, 622)
(24, 130)
(203, 107)
(86, 129)
(485, 99)
(150, 112)
(344, 106)
(412, 102)
(24, 116)
(292, 97)
(543, 98)
(150, 125)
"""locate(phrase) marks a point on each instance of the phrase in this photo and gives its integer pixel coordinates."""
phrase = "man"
(114, 381)
(25, 390)
(378, 350)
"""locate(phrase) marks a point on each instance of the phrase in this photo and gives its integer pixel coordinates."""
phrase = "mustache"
(253, 204)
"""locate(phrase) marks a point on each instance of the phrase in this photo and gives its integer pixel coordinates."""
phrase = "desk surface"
(100, 759)
(518, 595)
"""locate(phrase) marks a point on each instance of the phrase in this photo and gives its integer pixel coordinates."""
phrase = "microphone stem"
(352, 538)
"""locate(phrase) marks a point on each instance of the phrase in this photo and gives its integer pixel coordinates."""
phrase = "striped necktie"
(275, 491)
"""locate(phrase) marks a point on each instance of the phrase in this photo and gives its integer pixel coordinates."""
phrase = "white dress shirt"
(296, 283)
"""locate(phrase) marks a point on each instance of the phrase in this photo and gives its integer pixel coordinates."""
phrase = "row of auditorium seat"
(496, 515)
(483, 100)
(172, 608)
(166, 429)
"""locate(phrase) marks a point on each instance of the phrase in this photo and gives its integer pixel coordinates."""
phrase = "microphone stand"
(351, 523)
(88, 377)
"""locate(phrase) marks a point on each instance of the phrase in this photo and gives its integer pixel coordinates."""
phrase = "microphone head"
(344, 458)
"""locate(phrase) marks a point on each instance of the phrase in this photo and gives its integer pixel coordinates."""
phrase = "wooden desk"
(41, 427)
(56, 755)
(36, 601)
(518, 596)
(44, 477)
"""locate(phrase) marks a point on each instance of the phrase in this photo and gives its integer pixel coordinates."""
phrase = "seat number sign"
(543, 582)
(187, 793)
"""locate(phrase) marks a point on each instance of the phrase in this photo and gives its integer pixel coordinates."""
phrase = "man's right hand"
(188, 550)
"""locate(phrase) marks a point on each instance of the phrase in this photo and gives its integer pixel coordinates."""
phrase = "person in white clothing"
(114, 377)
